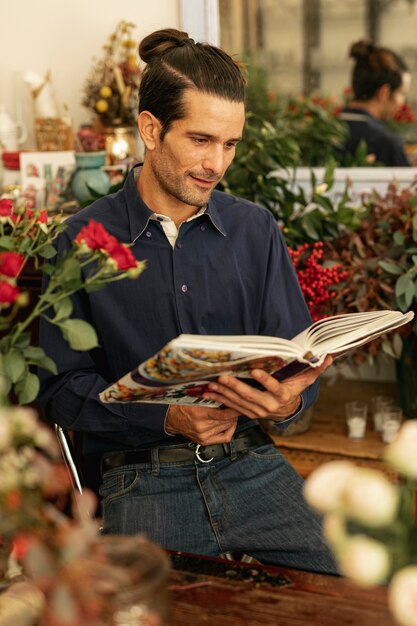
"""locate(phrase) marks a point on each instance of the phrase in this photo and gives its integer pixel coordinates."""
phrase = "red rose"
(21, 545)
(43, 217)
(13, 499)
(8, 292)
(11, 263)
(96, 237)
(123, 256)
(6, 207)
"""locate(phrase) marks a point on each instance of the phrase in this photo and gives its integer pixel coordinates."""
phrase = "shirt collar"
(139, 213)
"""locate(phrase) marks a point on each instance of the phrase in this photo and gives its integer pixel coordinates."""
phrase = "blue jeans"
(249, 503)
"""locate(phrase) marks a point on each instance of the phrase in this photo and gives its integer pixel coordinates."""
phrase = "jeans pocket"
(118, 483)
(266, 452)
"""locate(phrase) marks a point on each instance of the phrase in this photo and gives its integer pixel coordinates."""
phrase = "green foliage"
(25, 236)
(282, 134)
(319, 134)
(265, 149)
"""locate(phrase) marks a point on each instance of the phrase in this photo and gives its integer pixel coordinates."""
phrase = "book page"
(340, 333)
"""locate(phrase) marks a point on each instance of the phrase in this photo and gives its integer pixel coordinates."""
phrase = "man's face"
(197, 150)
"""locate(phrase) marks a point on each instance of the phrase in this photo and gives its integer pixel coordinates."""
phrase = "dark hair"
(176, 63)
(375, 66)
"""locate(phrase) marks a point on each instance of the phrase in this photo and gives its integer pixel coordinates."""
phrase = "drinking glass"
(356, 413)
(391, 422)
(378, 403)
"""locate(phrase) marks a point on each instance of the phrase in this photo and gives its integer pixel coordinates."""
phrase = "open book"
(180, 372)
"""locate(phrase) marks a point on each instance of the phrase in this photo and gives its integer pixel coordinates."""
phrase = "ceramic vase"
(89, 180)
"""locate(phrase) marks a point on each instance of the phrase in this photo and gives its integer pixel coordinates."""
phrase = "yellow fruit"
(101, 106)
(105, 92)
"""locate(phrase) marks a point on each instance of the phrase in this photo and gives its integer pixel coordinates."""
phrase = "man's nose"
(214, 159)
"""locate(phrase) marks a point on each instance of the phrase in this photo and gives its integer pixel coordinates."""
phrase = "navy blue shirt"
(229, 273)
(386, 145)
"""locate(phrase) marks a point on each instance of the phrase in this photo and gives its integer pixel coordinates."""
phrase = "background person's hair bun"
(361, 49)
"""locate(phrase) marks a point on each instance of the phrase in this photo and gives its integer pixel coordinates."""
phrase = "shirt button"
(202, 227)
(179, 245)
(148, 233)
(184, 288)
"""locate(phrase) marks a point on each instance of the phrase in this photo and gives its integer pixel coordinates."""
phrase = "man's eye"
(230, 146)
(200, 140)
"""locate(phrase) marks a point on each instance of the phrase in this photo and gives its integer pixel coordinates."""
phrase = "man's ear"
(149, 129)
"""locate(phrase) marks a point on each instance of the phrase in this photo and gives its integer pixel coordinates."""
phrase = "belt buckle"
(197, 454)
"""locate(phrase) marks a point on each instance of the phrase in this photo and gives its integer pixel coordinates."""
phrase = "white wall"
(64, 37)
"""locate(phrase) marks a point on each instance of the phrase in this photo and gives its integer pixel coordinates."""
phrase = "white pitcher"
(11, 133)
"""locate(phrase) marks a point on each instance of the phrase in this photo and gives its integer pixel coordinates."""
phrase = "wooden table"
(299, 599)
(327, 440)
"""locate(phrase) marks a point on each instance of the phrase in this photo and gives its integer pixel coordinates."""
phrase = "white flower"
(370, 498)
(44, 439)
(24, 421)
(365, 561)
(320, 189)
(324, 487)
(4, 433)
(402, 452)
(334, 531)
(402, 596)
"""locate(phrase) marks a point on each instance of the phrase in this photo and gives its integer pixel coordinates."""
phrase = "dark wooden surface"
(307, 599)
(327, 439)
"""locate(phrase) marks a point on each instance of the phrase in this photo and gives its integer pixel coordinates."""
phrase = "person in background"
(380, 81)
(192, 478)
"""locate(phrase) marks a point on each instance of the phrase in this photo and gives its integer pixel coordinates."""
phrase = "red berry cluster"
(404, 114)
(315, 279)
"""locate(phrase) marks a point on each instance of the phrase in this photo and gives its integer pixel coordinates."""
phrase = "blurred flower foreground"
(55, 567)
(370, 522)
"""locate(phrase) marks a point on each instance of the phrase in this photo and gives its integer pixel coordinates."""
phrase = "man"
(215, 265)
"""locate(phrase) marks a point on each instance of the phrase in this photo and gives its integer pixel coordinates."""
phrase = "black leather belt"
(250, 438)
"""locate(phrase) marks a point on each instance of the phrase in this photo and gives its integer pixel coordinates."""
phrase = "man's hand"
(276, 401)
(202, 425)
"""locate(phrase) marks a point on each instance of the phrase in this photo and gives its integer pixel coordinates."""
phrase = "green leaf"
(37, 356)
(399, 238)
(63, 310)
(388, 348)
(33, 352)
(7, 243)
(70, 273)
(14, 365)
(24, 340)
(79, 334)
(401, 286)
(28, 388)
(404, 292)
(48, 364)
(48, 268)
(48, 252)
(390, 267)
(6, 385)
(397, 344)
